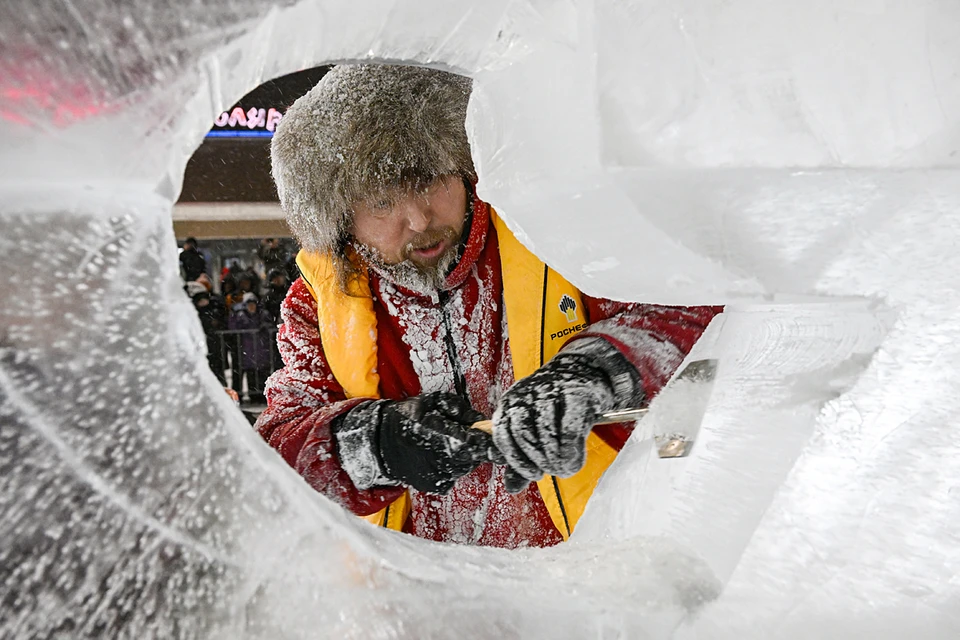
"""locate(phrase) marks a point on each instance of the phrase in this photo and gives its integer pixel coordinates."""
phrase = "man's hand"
(424, 442)
(542, 422)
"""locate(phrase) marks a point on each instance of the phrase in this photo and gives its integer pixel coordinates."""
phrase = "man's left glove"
(542, 422)
(425, 442)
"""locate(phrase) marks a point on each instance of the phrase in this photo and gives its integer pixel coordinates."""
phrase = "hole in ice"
(145, 506)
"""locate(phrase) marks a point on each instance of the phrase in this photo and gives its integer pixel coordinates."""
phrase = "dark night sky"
(238, 169)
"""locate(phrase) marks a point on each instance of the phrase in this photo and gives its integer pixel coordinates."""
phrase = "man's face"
(252, 307)
(420, 228)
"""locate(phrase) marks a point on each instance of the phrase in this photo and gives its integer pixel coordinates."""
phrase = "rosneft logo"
(569, 307)
(568, 331)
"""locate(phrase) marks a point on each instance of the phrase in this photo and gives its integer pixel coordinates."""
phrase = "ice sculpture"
(798, 161)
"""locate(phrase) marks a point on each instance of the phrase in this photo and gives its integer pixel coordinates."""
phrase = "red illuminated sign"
(253, 118)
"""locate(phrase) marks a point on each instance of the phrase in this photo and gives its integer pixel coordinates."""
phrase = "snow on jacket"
(304, 397)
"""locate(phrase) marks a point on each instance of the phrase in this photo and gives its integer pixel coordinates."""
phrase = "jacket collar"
(479, 219)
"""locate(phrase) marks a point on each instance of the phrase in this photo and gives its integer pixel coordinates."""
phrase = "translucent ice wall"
(798, 161)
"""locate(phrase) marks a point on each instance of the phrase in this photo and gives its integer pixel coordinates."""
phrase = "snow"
(800, 161)
(423, 331)
(606, 264)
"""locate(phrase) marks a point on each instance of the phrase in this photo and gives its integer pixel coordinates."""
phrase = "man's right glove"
(425, 442)
(542, 422)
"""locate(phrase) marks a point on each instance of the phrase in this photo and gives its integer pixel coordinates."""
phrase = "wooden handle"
(611, 417)
(484, 425)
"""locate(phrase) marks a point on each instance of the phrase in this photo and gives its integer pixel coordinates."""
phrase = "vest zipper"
(543, 319)
(459, 382)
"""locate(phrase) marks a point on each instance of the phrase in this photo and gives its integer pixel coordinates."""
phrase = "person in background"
(277, 287)
(205, 280)
(212, 319)
(193, 288)
(254, 345)
(192, 262)
(232, 301)
(293, 271)
(232, 296)
(231, 269)
(272, 254)
(248, 282)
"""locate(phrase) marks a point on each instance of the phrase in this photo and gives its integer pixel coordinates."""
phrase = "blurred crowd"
(240, 316)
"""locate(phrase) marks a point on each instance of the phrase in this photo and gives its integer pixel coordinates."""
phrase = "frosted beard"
(410, 274)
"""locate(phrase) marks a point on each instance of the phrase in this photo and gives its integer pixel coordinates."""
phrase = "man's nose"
(418, 216)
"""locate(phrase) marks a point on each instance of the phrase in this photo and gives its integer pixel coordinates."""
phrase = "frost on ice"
(798, 161)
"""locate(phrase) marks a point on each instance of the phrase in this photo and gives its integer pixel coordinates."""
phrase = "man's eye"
(424, 188)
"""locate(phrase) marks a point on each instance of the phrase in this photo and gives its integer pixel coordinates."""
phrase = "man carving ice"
(419, 313)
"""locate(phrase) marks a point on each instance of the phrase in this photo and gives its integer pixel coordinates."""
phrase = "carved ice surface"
(800, 161)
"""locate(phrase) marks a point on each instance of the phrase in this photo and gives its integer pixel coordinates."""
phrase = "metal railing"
(227, 363)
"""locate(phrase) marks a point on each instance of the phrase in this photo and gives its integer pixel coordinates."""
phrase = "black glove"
(542, 422)
(423, 442)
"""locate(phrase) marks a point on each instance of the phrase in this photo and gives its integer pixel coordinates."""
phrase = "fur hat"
(362, 131)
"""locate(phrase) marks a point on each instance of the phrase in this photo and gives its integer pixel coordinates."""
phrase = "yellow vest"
(543, 312)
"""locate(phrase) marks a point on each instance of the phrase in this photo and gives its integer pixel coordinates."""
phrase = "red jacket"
(304, 396)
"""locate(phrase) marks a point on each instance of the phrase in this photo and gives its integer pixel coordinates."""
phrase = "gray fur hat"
(361, 132)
